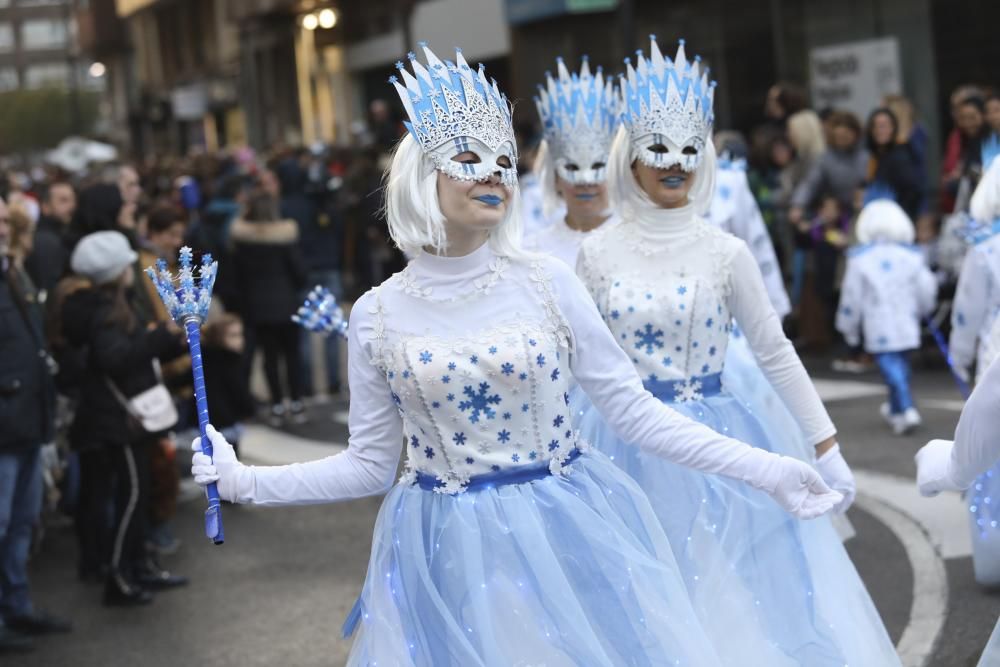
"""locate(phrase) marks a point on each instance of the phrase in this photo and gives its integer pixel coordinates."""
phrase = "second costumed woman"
(505, 542)
(668, 285)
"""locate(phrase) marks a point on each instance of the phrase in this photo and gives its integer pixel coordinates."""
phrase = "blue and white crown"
(446, 101)
(580, 114)
(671, 100)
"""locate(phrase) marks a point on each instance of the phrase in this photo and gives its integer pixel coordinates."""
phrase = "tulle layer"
(564, 570)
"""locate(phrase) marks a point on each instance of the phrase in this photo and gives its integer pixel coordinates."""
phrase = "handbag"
(153, 409)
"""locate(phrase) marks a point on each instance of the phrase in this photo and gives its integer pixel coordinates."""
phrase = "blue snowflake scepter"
(321, 314)
(942, 345)
(187, 298)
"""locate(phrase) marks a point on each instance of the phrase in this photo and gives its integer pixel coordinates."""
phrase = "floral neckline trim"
(483, 285)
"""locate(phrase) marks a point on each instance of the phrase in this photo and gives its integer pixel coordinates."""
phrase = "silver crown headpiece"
(667, 108)
(580, 113)
(452, 110)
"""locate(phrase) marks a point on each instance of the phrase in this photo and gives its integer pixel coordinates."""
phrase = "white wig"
(625, 192)
(985, 204)
(551, 201)
(884, 220)
(414, 213)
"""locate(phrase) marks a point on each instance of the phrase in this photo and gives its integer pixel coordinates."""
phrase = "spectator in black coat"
(893, 164)
(270, 275)
(223, 347)
(26, 423)
(49, 259)
(113, 448)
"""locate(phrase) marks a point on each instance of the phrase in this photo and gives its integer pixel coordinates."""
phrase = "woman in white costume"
(505, 542)
(668, 284)
(579, 115)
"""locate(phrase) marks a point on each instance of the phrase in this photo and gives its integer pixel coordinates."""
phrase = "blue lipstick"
(490, 200)
(673, 181)
(585, 196)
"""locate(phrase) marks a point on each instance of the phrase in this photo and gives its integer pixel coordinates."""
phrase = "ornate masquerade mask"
(667, 109)
(453, 110)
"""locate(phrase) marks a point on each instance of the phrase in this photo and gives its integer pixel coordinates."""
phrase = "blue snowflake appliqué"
(445, 379)
(682, 290)
(426, 357)
(532, 455)
(555, 375)
(436, 404)
(507, 416)
(558, 421)
(712, 351)
(709, 322)
(553, 445)
(704, 369)
(667, 361)
(493, 349)
(414, 441)
(406, 375)
(532, 342)
(473, 360)
(522, 377)
(960, 319)
(458, 438)
(648, 339)
(428, 452)
(515, 458)
(540, 360)
(451, 366)
(615, 314)
(470, 460)
(507, 368)
(566, 397)
(479, 402)
(503, 436)
(524, 407)
(450, 397)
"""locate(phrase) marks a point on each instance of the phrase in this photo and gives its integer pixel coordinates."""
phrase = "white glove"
(233, 479)
(835, 472)
(800, 490)
(934, 468)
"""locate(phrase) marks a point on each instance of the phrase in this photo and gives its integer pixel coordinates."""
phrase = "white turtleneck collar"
(662, 225)
(440, 277)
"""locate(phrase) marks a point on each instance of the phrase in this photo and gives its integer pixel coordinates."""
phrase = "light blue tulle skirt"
(746, 562)
(564, 570)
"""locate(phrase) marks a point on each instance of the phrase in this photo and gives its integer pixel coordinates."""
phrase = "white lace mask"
(661, 152)
(583, 164)
(501, 161)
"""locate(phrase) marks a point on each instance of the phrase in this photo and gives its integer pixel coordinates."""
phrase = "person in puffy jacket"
(118, 356)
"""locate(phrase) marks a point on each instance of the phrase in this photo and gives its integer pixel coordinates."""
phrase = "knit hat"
(102, 256)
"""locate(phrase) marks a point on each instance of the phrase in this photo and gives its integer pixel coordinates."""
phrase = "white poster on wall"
(856, 75)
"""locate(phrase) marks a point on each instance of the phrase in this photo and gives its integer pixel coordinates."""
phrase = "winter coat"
(26, 386)
(268, 271)
(110, 353)
(225, 381)
(49, 258)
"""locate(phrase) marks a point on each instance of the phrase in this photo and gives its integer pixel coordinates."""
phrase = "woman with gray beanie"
(111, 429)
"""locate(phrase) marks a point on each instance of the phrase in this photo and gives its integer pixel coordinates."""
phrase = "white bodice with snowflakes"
(667, 306)
(669, 284)
(475, 399)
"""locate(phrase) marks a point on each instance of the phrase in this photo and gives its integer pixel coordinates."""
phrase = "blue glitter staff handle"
(942, 345)
(187, 297)
(213, 515)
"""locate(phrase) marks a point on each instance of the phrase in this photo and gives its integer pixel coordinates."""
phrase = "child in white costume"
(668, 284)
(887, 289)
(505, 542)
(977, 297)
(579, 115)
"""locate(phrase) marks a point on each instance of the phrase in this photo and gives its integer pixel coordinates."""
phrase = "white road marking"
(930, 581)
(842, 390)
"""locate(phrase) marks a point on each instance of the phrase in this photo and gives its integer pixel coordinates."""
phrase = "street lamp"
(327, 19)
(310, 22)
(97, 70)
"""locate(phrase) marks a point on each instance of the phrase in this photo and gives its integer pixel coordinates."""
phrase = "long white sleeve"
(977, 444)
(368, 466)
(848, 321)
(969, 309)
(772, 349)
(605, 373)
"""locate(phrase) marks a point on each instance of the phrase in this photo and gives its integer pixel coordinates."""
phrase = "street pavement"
(277, 592)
